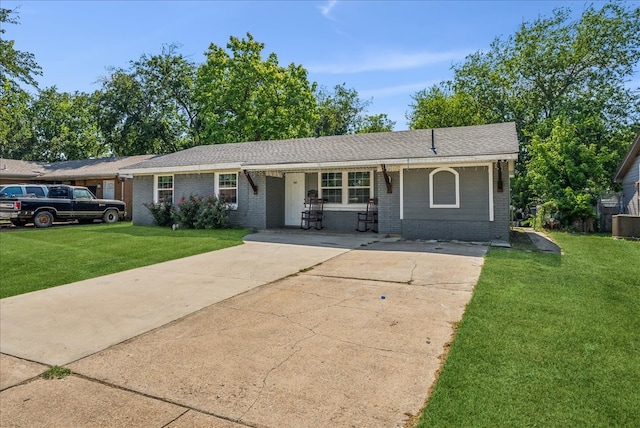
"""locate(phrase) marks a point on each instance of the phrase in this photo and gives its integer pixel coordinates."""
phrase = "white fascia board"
(373, 163)
(182, 169)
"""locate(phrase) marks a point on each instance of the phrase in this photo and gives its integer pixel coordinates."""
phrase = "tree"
(440, 107)
(63, 127)
(375, 123)
(149, 107)
(555, 73)
(242, 97)
(15, 66)
(15, 121)
(339, 112)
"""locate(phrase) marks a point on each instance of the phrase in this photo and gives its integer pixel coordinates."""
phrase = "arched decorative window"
(444, 188)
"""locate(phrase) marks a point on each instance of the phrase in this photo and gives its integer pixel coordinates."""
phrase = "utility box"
(626, 226)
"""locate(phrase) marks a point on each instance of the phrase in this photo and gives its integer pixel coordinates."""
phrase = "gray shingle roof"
(498, 141)
(91, 168)
(84, 168)
(18, 169)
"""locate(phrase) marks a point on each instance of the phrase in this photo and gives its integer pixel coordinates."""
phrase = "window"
(36, 190)
(357, 188)
(331, 184)
(163, 191)
(227, 188)
(82, 194)
(12, 191)
(444, 188)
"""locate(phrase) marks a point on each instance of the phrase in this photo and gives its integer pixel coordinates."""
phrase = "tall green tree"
(440, 107)
(149, 107)
(339, 112)
(15, 121)
(555, 73)
(243, 97)
(63, 127)
(15, 66)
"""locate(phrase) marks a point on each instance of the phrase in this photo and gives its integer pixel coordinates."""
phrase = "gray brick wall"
(251, 212)
(185, 185)
(500, 227)
(447, 230)
(142, 194)
(389, 205)
(470, 222)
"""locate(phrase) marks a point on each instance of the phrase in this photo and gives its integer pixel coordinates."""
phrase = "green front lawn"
(547, 341)
(33, 259)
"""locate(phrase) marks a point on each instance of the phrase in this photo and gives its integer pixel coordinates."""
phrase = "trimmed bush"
(197, 212)
(161, 212)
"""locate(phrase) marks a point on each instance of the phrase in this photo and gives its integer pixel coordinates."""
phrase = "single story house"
(102, 176)
(448, 183)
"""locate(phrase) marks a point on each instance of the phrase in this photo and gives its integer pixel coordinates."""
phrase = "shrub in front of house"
(161, 212)
(197, 212)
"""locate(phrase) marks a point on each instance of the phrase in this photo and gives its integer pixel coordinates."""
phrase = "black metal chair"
(313, 214)
(369, 218)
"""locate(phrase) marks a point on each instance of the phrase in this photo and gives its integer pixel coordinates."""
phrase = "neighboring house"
(629, 175)
(449, 183)
(102, 176)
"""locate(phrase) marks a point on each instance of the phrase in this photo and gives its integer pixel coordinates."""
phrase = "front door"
(108, 189)
(293, 198)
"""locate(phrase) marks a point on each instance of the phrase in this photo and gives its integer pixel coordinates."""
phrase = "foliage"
(440, 107)
(97, 250)
(15, 66)
(375, 123)
(164, 103)
(546, 340)
(56, 372)
(15, 121)
(161, 212)
(63, 127)
(149, 108)
(242, 97)
(553, 68)
(567, 167)
(197, 212)
(339, 112)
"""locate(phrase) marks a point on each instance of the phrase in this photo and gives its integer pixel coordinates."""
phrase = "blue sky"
(385, 50)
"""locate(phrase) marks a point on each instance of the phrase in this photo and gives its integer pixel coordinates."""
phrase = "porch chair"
(313, 214)
(369, 218)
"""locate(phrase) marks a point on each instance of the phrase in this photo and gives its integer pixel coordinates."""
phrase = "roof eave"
(375, 162)
(180, 169)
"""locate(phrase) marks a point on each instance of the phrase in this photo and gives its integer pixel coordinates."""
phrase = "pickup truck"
(63, 203)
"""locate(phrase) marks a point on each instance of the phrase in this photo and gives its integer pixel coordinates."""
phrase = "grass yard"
(547, 341)
(34, 259)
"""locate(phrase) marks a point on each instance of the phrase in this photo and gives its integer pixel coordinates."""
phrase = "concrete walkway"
(346, 332)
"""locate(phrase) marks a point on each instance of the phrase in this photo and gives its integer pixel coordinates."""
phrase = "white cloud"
(385, 61)
(326, 8)
(390, 91)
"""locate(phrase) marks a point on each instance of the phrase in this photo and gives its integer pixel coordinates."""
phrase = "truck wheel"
(43, 219)
(110, 217)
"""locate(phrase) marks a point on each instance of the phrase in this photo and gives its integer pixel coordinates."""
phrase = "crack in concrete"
(271, 370)
(390, 281)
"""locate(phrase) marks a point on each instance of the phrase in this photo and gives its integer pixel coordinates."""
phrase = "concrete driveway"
(349, 333)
